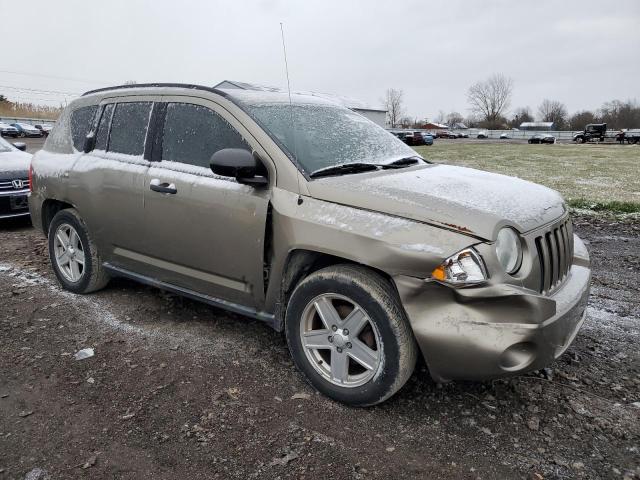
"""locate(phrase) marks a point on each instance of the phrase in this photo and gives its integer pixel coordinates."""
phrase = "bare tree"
(393, 104)
(579, 119)
(453, 118)
(490, 99)
(441, 117)
(522, 114)
(553, 111)
(619, 114)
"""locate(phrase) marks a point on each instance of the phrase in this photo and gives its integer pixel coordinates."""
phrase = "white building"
(376, 115)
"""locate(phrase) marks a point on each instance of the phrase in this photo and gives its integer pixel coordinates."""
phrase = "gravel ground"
(178, 389)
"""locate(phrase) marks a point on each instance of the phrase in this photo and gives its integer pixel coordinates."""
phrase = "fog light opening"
(518, 356)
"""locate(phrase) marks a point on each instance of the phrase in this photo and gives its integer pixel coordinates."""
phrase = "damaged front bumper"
(497, 330)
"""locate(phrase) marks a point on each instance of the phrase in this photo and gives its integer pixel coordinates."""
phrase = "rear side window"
(81, 123)
(103, 127)
(129, 128)
(193, 133)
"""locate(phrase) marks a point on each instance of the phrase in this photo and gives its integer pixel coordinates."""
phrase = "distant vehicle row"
(21, 129)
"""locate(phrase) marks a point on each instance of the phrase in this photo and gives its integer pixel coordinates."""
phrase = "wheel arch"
(50, 207)
(299, 264)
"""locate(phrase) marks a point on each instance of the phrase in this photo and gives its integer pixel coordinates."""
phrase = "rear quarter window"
(81, 123)
(129, 128)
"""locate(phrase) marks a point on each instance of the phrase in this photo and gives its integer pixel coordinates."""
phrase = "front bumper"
(498, 330)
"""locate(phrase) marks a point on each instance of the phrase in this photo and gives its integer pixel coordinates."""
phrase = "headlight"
(465, 268)
(509, 249)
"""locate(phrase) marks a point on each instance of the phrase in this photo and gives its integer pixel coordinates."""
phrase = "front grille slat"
(561, 254)
(565, 250)
(555, 254)
(7, 185)
(553, 251)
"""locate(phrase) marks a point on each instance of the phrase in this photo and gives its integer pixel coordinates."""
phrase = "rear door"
(206, 233)
(108, 182)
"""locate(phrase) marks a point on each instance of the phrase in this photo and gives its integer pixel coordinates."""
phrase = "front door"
(205, 233)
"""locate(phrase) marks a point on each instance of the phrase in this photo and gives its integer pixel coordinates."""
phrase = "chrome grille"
(555, 253)
(7, 185)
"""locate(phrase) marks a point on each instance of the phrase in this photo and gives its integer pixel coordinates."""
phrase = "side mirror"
(20, 146)
(241, 164)
(89, 142)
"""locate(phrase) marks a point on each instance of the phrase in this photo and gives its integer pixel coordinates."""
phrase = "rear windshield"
(321, 135)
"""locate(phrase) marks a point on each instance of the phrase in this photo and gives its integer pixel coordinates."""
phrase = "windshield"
(5, 146)
(323, 135)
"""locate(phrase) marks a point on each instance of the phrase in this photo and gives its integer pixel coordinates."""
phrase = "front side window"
(193, 133)
(103, 127)
(129, 128)
(81, 119)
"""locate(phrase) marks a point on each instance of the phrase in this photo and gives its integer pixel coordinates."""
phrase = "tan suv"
(306, 215)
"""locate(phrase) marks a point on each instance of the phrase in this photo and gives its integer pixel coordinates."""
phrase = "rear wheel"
(74, 257)
(349, 336)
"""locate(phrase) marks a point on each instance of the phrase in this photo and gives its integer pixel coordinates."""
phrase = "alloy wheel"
(340, 340)
(69, 252)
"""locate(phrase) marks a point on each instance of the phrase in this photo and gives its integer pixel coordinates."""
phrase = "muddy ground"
(177, 389)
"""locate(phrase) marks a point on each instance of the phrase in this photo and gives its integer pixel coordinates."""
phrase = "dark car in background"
(542, 138)
(45, 128)
(14, 180)
(26, 130)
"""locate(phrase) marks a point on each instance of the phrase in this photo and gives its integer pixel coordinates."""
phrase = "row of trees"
(27, 110)
(489, 101)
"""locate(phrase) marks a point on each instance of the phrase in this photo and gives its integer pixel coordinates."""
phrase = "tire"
(68, 228)
(384, 338)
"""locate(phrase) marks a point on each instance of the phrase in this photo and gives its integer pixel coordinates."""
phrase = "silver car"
(309, 217)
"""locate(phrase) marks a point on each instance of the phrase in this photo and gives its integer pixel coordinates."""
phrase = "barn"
(376, 115)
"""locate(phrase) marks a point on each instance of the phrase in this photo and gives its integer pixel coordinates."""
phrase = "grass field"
(596, 177)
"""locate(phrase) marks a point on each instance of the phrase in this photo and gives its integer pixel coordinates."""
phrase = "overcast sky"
(582, 53)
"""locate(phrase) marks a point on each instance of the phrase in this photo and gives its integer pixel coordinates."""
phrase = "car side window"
(193, 133)
(129, 127)
(81, 119)
(103, 127)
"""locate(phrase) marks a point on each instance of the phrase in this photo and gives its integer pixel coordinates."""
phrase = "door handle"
(157, 186)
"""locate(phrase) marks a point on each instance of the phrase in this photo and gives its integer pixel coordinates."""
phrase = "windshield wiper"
(403, 162)
(343, 169)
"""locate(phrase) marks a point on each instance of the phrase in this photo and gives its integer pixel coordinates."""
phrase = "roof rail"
(148, 85)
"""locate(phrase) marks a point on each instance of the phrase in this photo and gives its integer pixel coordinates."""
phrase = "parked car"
(542, 138)
(363, 253)
(427, 138)
(413, 138)
(446, 134)
(504, 136)
(45, 128)
(14, 179)
(483, 134)
(26, 130)
(7, 130)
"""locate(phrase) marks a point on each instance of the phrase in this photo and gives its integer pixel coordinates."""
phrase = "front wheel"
(73, 254)
(348, 334)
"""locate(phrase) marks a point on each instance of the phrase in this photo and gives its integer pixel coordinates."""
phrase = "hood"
(14, 164)
(470, 201)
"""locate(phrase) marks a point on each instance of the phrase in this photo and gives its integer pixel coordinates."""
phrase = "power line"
(83, 80)
(39, 91)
